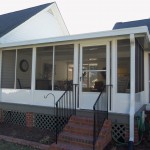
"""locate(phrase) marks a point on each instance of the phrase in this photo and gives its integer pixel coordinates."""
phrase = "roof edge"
(86, 36)
(27, 8)
(21, 22)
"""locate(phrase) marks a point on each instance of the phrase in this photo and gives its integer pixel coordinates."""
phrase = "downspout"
(132, 91)
(33, 73)
(76, 73)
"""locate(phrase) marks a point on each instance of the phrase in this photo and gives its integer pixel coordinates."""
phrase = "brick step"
(67, 140)
(67, 146)
(74, 128)
(80, 120)
(84, 141)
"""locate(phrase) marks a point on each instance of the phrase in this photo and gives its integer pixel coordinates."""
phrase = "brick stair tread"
(84, 127)
(67, 146)
(81, 120)
(79, 138)
(79, 129)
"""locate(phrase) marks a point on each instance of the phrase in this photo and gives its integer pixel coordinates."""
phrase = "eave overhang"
(138, 31)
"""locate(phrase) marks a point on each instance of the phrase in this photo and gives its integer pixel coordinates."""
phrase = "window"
(44, 68)
(94, 68)
(16, 69)
(139, 67)
(63, 74)
(8, 69)
(54, 67)
(123, 66)
(24, 68)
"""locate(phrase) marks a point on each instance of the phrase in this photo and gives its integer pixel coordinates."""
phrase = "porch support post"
(146, 76)
(132, 89)
(16, 59)
(76, 74)
(33, 69)
(108, 63)
(108, 75)
(76, 56)
(114, 73)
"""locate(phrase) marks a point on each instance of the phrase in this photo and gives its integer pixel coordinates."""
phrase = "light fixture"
(92, 59)
(93, 48)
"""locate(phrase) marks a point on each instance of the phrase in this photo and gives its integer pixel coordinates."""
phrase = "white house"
(38, 58)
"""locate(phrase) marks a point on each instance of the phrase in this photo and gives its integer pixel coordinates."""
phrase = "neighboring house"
(38, 22)
(35, 65)
(131, 24)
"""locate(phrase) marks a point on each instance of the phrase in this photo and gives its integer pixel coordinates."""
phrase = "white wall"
(28, 97)
(122, 103)
(42, 25)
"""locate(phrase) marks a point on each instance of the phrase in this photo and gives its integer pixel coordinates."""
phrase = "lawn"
(10, 146)
(44, 136)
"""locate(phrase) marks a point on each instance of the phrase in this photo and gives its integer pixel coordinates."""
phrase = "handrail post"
(107, 90)
(94, 130)
(56, 121)
(75, 97)
(97, 124)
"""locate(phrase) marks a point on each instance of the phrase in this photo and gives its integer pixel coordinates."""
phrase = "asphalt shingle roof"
(136, 23)
(11, 20)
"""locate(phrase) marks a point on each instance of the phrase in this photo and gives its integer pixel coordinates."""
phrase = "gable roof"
(11, 20)
(136, 23)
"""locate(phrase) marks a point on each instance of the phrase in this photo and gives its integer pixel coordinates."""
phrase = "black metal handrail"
(66, 107)
(100, 110)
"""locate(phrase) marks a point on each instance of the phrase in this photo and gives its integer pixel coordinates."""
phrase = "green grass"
(10, 146)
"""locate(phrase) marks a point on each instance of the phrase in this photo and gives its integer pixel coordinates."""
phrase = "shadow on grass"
(10, 146)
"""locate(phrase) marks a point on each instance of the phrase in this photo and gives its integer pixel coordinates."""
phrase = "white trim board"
(103, 34)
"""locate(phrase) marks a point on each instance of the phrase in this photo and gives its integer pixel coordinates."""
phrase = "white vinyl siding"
(42, 25)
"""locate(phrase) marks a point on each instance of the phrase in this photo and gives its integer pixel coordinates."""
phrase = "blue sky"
(82, 16)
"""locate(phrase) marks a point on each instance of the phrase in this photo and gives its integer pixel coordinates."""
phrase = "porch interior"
(54, 68)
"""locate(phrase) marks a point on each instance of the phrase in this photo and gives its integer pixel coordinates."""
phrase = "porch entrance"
(94, 73)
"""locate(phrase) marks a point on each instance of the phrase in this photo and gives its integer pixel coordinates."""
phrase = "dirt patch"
(10, 146)
(31, 134)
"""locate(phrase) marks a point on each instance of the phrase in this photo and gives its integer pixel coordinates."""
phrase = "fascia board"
(86, 36)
